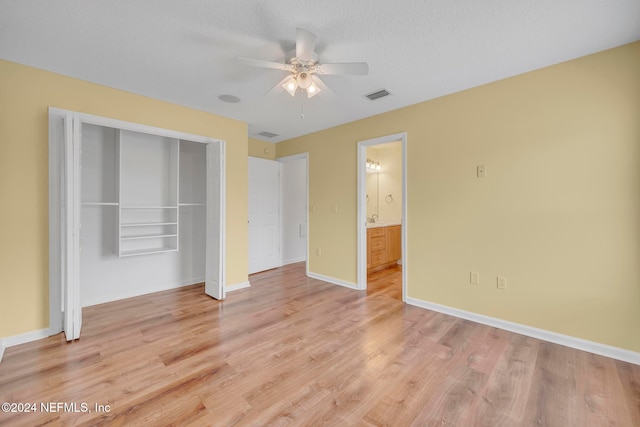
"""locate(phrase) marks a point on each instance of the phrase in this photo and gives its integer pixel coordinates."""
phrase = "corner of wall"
(333, 280)
(262, 149)
(237, 286)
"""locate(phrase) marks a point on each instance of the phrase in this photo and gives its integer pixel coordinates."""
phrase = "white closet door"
(214, 278)
(71, 237)
(264, 214)
(293, 194)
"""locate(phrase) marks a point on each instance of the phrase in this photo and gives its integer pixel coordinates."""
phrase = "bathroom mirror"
(384, 183)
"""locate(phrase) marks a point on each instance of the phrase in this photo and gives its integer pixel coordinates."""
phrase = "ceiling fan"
(302, 62)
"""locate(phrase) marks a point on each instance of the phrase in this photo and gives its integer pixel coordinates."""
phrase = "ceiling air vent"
(267, 134)
(378, 94)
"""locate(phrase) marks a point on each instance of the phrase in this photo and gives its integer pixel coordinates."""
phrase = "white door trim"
(56, 220)
(362, 208)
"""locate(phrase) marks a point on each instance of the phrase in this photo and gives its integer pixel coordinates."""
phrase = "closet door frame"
(64, 212)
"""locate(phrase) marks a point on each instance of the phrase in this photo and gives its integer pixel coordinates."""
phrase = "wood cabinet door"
(394, 246)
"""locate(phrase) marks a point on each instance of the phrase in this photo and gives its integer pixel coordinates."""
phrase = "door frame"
(285, 159)
(63, 258)
(362, 208)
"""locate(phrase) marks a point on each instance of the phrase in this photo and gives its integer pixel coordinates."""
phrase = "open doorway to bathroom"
(382, 215)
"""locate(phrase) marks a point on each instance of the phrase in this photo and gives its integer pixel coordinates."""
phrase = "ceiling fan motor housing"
(292, 59)
(304, 79)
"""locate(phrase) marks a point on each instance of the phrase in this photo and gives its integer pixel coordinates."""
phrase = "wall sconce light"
(373, 167)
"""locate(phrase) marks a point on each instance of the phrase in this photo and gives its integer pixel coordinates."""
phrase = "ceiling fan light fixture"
(290, 85)
(313, 90)
(303, 65)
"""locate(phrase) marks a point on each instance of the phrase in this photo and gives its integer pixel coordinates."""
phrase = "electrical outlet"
(502, 283)
(312, 208)
(475, 278)
(482, 171)
(318, 251)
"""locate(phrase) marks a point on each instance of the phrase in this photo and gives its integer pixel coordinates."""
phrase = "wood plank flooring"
(296, 351)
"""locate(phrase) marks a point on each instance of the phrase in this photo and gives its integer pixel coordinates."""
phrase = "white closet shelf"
(150, 207)
(191, 204)
(148, 251)
(100, 203)
(147, 224)
(147, 236)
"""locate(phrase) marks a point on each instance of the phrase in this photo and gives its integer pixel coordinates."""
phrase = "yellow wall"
(25, 95)
(262, 149)
(558, 213)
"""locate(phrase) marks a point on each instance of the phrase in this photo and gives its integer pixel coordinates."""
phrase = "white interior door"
(264, 214)
(214, 267)
(71, 236)
(293, 193)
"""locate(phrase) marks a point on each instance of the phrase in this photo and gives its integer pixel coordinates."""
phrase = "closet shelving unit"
(148, 229)
(148, 180)
(148, 218)
(192, 190)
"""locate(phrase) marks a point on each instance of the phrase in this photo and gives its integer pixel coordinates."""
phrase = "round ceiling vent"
(231, 99)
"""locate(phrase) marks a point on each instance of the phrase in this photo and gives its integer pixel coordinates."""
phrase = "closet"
(133, 210)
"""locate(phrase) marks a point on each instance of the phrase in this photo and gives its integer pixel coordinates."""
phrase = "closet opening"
(133, 210)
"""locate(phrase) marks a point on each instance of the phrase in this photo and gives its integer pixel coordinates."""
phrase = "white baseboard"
(556, 338)
(25, 338)
(333, 280)
(294, 260)
(193, 281)
(7, 342)
(237, 286)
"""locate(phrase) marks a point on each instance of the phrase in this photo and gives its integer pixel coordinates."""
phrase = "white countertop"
(383, 224)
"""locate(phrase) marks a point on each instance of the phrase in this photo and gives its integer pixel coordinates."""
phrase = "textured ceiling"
(183, 51)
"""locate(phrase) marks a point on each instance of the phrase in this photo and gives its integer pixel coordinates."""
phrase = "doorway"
(393, 220)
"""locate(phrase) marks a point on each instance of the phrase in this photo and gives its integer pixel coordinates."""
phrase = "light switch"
(475, 278)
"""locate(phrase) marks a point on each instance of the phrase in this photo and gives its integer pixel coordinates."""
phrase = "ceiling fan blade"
(263, 64)
(305, 44)
(278, 87)
(325, 89)
(354, 68)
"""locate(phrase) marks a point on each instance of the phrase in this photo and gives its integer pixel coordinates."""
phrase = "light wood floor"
(297, 351)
